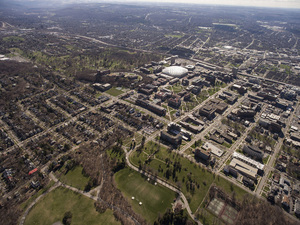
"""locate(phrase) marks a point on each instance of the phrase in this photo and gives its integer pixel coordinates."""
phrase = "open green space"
(54, 205)
(202, 96)
(265, 160)
(98, 94)
(189, 151)
(193, 180)
(177, 87)
(226, 144)
(155, 198)
(13, 39)
(266, 189)
(206, 217)
(213, 90)
(174, 35)
(230, 188)
(114, 91)
(74, 178)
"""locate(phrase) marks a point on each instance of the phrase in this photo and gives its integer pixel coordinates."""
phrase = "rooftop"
(248, 160)
(175, 71)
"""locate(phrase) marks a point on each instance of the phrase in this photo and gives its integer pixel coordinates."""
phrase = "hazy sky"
(259, 3)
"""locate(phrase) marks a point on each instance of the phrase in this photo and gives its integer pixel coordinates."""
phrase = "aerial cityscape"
(149, 113)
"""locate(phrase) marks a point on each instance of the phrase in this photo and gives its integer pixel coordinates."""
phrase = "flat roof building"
(214, 150)
(244, 168)
(204, 155)
(249, 161)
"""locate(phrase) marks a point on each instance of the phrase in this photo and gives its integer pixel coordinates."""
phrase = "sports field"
(155, 198)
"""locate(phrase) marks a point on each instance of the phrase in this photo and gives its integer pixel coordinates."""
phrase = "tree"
(143, 141)
(67, 218)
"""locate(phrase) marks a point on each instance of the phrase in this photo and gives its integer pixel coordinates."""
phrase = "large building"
(253, 151)
(175, 71)
(151, 107)
(249, 161)
(201, 154)
(213, 149)
(244, 168)
(172, 139)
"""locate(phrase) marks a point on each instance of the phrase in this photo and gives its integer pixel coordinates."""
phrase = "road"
(269, 167)
(216, 121)
(151, 137)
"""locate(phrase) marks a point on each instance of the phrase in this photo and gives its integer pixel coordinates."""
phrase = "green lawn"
(202, 96)
(200, 177)
(266, 189)
(229, 188)
(75, 178)
(53, 206)
(155, 198)
(265, 160)
(177, 87)
(213, 90)
(114, 91)
(14, 39)
(174, 35)
(189, 151)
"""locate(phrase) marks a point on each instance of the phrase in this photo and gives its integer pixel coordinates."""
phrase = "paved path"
(35, 201)
(87, 194)
(163, 183)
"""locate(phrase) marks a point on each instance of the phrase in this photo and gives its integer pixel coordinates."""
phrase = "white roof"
(175, 71)
(214, 149)
(248, 160)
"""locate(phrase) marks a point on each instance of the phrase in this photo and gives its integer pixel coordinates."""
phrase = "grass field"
(174, 35)
(14, 39)
(229, 188)
(54, 205)
(114, 91)
(155, 198)
(198, 175)
(75, 178)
